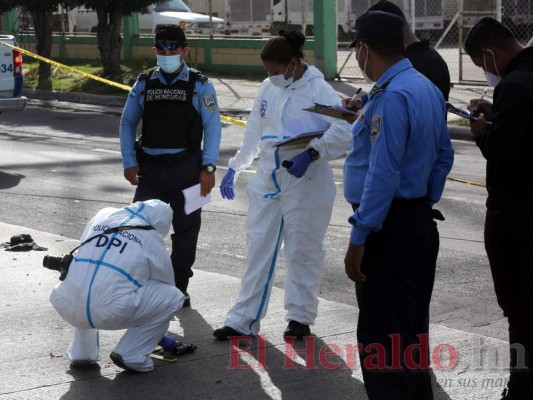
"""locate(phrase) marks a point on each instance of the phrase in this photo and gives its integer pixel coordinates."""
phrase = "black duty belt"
(167, 159)
(398, 204)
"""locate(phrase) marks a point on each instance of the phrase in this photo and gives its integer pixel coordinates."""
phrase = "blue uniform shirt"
(204, 94)
(400, 149)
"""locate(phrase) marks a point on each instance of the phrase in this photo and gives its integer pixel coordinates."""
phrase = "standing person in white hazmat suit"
(291, 195)
(122, 278)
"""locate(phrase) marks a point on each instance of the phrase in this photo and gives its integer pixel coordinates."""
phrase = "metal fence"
(443, 22)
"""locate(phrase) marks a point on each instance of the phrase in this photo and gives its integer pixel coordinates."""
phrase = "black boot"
(297, 330)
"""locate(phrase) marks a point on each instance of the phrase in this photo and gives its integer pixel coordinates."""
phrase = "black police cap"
(170, 32)
(378, 26)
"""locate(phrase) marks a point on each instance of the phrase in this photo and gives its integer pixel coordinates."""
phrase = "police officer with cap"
(395, 172)
(181, 132)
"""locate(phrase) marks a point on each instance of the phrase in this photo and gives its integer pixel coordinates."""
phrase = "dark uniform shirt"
(429, 63)
(507, 145)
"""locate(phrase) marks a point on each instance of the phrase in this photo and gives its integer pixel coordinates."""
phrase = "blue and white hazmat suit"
(283, 208)
(122, 280)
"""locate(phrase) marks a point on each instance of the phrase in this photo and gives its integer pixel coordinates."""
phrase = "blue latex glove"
(298, 164)
(227, 187)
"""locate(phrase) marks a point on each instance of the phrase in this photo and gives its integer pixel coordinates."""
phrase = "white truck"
(11, 76)
(167, 12)
(298, 14)
(429, 14)
(516, 14)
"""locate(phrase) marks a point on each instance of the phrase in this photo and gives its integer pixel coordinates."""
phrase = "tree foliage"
(110, 13)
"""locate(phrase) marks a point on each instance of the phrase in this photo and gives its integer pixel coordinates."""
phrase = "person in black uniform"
(424, 58)
(179, 113)
(504, 134)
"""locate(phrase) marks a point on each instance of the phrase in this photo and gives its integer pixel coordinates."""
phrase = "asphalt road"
(58, 167)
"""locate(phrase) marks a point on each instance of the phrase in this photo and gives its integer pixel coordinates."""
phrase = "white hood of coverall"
(100, 288)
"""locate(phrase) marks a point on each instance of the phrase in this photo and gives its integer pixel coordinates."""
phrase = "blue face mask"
(169, 63)
(280, 81)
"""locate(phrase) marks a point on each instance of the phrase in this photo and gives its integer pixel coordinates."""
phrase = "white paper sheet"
(194, 200)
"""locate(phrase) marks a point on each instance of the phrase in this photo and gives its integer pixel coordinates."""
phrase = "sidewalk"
(34, 339)
(236, 97)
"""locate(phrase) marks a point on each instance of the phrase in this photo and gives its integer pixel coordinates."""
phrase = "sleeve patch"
(210, 102)
(375, 127)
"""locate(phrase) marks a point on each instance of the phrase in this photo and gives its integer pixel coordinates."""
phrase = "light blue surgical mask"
(169, 63)
(492, 79)
(280, 81)
(363, 70)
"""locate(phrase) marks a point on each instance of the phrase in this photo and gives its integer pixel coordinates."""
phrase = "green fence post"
(325, 21)
(130, 29)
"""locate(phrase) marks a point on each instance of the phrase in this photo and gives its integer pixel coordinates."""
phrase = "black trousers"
(399, 263)
(509, 246)
(164, 178)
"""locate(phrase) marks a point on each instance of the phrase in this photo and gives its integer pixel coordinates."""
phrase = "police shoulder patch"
(375, 127)
(210, 101)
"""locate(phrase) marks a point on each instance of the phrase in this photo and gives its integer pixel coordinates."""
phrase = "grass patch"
(459, 122)
(65, 80)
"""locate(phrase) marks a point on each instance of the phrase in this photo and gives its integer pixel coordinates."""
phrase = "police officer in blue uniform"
(395, 172)
(179, 112)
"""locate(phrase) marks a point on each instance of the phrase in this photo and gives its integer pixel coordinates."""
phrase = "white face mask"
(491, 78)
(363, 70)
(280, 81)
(169, 63)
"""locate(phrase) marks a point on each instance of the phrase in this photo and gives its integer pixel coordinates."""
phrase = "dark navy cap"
(170, 32)
(378, 25)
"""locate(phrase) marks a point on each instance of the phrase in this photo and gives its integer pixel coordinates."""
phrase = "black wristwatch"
(209, 168)
(313, 154)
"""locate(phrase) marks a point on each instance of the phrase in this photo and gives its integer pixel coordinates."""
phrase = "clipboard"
(302, 138)
(334, 111)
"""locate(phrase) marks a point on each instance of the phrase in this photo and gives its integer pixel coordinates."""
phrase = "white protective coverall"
(122, 280)
(282, 207)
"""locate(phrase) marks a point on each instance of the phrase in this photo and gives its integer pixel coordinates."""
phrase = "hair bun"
(295, 38)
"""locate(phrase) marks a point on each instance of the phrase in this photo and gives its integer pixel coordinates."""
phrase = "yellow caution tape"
(38, 57)
(466, 182)
(97, 78)
(233, 120)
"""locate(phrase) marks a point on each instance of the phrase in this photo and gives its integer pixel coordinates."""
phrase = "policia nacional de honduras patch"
(375, 128)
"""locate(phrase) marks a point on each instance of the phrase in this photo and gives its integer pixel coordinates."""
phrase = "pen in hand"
(355, 95)
(481, 99)
(484, 93)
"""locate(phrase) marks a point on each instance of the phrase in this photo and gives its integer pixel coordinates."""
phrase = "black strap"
(114, 230)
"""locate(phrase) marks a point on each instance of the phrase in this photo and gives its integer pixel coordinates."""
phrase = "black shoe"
(119, 362)
(297, 330)
(187, 302)
(225, 332)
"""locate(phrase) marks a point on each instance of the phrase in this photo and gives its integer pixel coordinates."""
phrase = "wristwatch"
(313, 154)
(209, 168)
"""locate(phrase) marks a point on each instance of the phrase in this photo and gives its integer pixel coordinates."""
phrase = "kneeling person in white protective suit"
(122, 278)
